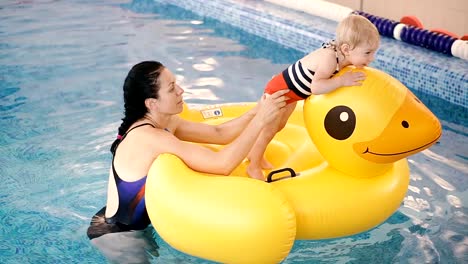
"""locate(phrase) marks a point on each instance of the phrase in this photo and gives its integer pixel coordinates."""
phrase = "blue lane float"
(420, 37)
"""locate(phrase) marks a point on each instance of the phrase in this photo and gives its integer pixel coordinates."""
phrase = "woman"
(151, 126)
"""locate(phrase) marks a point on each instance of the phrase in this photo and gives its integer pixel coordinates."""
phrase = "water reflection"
(209, 81)
(203, 67)
(196, 22)
(192, 90)
(207, 65)
(417, 204)
(200, 94)
(429, 172)
(462, 167)
(427, 191)
(454, 201)
(414, 189)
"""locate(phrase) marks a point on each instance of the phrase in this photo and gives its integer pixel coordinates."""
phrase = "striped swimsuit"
(297, 79)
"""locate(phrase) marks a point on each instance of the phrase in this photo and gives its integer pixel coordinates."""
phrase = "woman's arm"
(225, 160)
(214, 134)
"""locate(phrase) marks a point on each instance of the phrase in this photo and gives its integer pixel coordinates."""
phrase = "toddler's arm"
(322, 83)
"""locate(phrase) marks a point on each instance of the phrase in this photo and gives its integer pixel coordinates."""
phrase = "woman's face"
(170, 99)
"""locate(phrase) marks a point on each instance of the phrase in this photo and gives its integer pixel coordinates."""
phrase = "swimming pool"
(61, 69)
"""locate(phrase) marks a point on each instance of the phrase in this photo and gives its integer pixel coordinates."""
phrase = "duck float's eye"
(340, 122)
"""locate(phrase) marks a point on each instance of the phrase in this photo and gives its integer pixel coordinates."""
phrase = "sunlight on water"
(462, 167)
(427, 171)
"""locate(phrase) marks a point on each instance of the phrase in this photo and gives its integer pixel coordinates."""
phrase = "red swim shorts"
(278, 83)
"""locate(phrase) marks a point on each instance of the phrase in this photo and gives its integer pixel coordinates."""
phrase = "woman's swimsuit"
(297, 79)
(131, 214)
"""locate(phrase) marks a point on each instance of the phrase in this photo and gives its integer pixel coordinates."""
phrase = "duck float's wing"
(329, 204)
(224, 219)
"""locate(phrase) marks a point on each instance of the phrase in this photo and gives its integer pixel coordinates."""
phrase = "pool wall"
(427, 71)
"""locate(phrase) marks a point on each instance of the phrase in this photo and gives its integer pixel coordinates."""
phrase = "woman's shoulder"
(146, 136)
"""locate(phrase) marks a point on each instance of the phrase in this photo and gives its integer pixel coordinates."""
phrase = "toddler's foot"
(266, 165)
(255, 173)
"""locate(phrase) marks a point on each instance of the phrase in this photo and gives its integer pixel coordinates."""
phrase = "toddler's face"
(363, 54)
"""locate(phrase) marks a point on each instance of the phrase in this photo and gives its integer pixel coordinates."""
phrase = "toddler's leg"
(254, 169)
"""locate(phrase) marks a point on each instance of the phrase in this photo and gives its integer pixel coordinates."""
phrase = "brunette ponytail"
(142, 82)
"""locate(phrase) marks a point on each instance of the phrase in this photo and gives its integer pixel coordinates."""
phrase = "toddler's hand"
(351, 78)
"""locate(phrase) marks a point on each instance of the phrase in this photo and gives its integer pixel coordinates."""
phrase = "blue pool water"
(62, 64)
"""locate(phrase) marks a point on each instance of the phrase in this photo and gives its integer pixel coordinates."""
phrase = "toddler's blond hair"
(356, 29)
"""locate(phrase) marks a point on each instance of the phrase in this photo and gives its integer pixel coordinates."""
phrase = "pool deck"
(419, 68)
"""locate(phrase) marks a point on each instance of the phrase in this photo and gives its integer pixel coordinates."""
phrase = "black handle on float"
(270, 175)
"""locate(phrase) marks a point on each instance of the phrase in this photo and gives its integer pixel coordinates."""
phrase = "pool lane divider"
(411, 34)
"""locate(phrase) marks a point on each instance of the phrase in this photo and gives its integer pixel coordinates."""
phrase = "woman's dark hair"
(141, 83)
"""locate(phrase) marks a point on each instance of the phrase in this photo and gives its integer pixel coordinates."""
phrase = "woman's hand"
(270, 106)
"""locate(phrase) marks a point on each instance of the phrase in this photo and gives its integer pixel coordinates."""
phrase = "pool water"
(62, 65)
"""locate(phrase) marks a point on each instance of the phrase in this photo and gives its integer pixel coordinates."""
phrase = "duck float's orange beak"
(412, 129)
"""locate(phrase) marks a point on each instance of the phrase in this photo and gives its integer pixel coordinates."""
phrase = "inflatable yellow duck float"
(341, 169)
